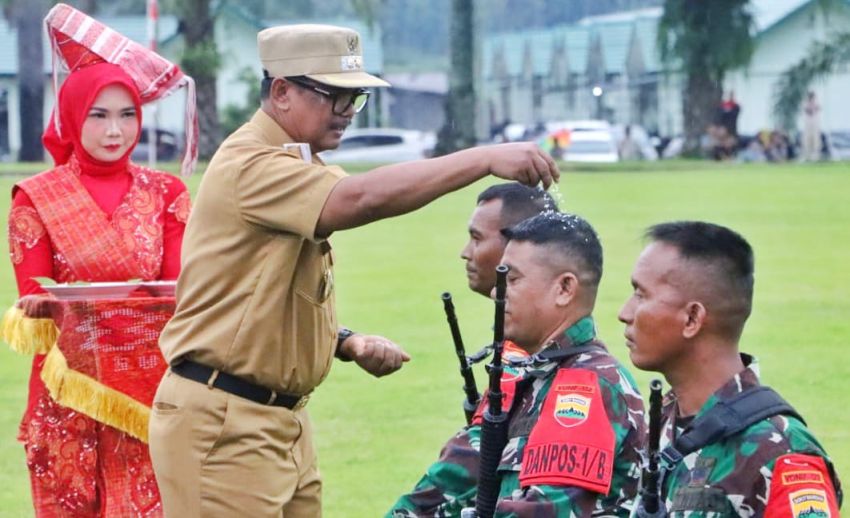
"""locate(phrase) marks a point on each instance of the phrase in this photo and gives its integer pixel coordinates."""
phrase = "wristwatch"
(343, 335)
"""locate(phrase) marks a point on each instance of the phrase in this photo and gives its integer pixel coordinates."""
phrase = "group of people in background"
(724, 142)
(255, 329)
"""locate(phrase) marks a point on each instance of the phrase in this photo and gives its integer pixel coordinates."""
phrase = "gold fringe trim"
(86, 395)
(28, 335)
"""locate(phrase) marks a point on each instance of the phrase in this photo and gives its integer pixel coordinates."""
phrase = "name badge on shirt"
(301, 149)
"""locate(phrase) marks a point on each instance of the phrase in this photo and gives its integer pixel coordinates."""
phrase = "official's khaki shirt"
(255, 294)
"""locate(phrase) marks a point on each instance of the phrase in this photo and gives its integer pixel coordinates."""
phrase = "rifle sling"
(726, 419)
(556, 355)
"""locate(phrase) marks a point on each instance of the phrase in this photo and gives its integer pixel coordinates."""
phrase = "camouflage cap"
(325, 53)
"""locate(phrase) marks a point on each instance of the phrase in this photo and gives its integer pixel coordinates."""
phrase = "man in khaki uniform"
(255, 328)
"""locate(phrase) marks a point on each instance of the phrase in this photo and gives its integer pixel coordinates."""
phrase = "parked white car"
(617, 132)
(595, 146)
(578, 125)
(381, 145)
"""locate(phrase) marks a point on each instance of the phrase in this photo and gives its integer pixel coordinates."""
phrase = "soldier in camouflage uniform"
(577, 423)
(693, 287)
(498, 207)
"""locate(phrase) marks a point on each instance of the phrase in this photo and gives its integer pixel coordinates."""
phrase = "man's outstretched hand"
(376, 355)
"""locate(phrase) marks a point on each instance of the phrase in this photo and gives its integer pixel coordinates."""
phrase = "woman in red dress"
(94, 217)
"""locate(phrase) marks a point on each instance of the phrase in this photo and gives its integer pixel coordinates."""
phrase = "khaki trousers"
(216, 454)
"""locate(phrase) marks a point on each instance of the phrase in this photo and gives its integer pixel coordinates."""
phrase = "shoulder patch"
(809, 503)
(801, 488)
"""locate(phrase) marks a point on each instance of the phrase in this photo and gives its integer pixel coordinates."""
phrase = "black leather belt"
(236, 386)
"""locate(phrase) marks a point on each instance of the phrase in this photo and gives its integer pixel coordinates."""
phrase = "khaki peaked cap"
(325, 53)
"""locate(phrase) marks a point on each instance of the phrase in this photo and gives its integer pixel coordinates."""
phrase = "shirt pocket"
(314, 280)
(314, 319)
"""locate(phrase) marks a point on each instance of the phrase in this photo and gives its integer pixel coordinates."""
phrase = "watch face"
(343, 334)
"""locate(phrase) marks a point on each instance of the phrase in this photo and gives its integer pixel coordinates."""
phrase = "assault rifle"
(494, 429)
(651, 504)
(470, 403)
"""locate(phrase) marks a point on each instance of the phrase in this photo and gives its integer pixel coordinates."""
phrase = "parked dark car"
(167, 149)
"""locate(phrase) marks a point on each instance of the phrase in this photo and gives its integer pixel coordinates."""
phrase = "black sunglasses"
(341, 99)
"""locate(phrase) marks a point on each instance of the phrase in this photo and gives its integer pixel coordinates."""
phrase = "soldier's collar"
(583, 331)
(743, 380)
(579, 334)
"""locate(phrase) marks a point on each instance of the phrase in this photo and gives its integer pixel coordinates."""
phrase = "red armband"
(573, 442)
(801, 487)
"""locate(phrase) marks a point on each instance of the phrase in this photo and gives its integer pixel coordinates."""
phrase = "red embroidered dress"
(88, 221)
(58, 230)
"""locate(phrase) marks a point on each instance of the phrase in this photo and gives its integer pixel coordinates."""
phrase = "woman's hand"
(38, 306)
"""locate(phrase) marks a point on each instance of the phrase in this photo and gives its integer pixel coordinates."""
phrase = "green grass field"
(376, 436)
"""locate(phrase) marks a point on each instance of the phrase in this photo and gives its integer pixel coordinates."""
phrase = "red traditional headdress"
(79, 40)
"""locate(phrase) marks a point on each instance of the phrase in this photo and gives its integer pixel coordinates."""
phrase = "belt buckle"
(302, 402)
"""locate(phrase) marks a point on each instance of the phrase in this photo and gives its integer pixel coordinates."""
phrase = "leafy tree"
(27, 16)
(458, 131)
(822, 59)
(234, 115)
(201, 60)
(703, 40)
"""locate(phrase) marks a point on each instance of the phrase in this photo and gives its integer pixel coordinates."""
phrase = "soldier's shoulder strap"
(726, 419)
(559, 355)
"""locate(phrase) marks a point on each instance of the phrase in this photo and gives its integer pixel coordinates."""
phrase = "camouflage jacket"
(450, 484)
(737, 476)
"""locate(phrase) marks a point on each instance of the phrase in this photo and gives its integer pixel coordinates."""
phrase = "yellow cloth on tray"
(86, 395)
(28, 335)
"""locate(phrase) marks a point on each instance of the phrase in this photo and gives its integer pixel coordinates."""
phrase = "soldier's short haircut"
(728, 258)
(710, 243)
(570, 236)
(519, 202)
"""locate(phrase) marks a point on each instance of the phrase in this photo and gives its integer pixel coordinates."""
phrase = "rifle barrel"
(470, 388)
(650, 498)
(494, 429)
(499, 328)
(654, 417)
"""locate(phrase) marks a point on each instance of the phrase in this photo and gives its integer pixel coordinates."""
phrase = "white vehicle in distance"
(381, 145)
(595, 146)
(578, 125)
(617, 132)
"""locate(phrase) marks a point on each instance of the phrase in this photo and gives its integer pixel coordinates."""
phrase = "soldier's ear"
(694, 317)
(566, 289)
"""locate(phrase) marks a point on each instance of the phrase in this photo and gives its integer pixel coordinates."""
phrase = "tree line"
(702, 40)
